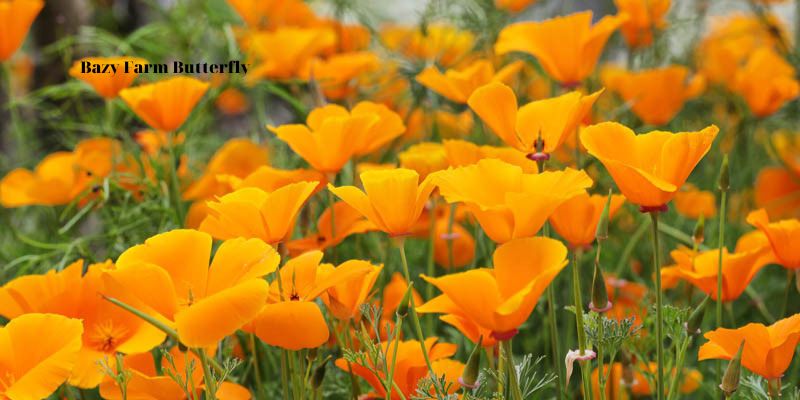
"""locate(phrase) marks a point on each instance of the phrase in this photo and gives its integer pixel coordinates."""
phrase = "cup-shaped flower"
(766, 82)
(237, 158)
(501, 299)
(461, 152)
(38, 353)
(392, 199)
(253, 213)
(656, 95)
(738, 269)
(520, 127)
(768, 350)
(347, 221)
(425, 158)
(459, 83)
(692, 202)
(783, 236)
(332, 135)
(345, 298)
(443, 44)
(169, 278)
(107, 85)
(570, 59)
(336, 75)
(16, 17)
(282, 53)
(165, 105)
(644, 18)
(267, 15)
(649, 168)
(577, 218)
(518, 204)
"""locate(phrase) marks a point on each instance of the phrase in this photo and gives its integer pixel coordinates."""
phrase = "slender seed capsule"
(724, 182)
(730, 381)
(601, 233)
(699, 231)
(469, 378)
(402, 308)
(600, 302)
(696, 318)
(319, 374)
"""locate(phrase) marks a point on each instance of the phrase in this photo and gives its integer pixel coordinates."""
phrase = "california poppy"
(458, 84)
(650, 168)
(501, 299)
(166, 104)
(521, 127)
(518, 204)
(656, 95)
(766, 82)
(392, 199)
(768, 350)
(738, 269)
(237, 157)
(693, 203)
(425, 158)
(461, 152)
(644, 18)
(617, 388)
(280, 54)
(513, 5)
(38, 351)
(443, 44)
(627, 299)
(253, 213)
(577, 218)
(344, 299)
(107, 85)
(783, 236)
(573, 57)
(232, 102)
(271, 14)
(170, 279)
(422, 123)
(777, 190)
(348, 221)
(16, 17)
(336, 75)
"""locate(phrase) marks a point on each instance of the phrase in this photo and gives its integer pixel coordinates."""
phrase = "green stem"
(601, 372)
(511, 370)
(659, 310)
(430, 268)
(256, 366)
(208, 378)
(450, 221)
(680, 356)
(721, 246)
(551, 320)
(628, 250)
(175, 185)
(15, 128)
(331, 203)
(390, 378)
(576, 294)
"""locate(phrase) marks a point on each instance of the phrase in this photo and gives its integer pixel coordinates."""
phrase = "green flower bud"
(696, 318)
(600, 301)
(724, 182)
(469, 378)
(601, 233)
(319, 374)
(405, 302)
(730, 381)
(699, 231)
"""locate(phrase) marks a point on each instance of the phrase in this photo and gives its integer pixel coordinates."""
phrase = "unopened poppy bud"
(600, 301)
(601, 233)
(730, 381)
(699, 230)
(696, 318)
(402, 308)
(469, 378)
(774, 387)
(724, 182)
(319, 375)
(311, 355)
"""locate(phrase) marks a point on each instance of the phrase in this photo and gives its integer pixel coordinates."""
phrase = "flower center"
(106, 336)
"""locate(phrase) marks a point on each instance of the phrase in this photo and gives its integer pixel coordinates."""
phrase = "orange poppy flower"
(783, 236)
(458, 84)
(271, 14)
(627, 299)
(16, 17)
(461, 153)
(108, 329)
(349, 37)
(738, 269)
(290, 319)
(463, 244)
(425, 158)
(392, 199)
(169, 278)
(618, 389)
(238, 158)
(147, 384)
(768, 350)
(422, 123)
(38, 352)
(644, 18)
(656, 95)
(337, 74)
(345, 298)
(254, 213)
(333, 135)
(107, 85)
(281, 54)
(777, 190)
(499, 300)
(574, 56)
(152, 141)
(513, 5)
(166, 104)
(766, 82)
(692, 202)
(577, 218)
(443, 44)
(650, 168)
(518, 204)
(348, 221)
(520, 127)
(270, 179)
(410, 367)
(232, 102)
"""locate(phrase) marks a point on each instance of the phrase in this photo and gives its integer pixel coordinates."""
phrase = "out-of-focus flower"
(461, 153)
(425, 158)
(518, 204)
(766, 82)
(349, 37)
(443, 44)
(238, 158)
(166, 104)
(783, 236)
(458, 84)
(232, 101)
(513, 5)
(768, 350)
(332, 135)
(108, 329)
(777, 190)
(348, 221)
(462, 242)
(16, 17)
(649, 168)
(169, 278)
(254, 213)
(410, 367)
(501, 299)
(692, 202)
(521, 127)
(576, 219)
(656, 95)
(645, 17)
(337, 75)
(281, 54)
(570, 59)
(290, 319)
(272, 14)
(422, 124)
(618, 389)
(627, 299)
(38, 352)
(345, 298)
(108, 85)
(392, 199)
(152, 141)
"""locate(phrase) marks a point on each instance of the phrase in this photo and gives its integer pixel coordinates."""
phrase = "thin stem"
(430, 268)
(390, 378)
(628, 250)
(721, 246)
(601, 373)
(208, 378)
(256, 366)
(175, 185)
(511, 370)
(551, 318)
(331, 203)
(680, 356)
(576, 294)
(659, 310)
(450, 221)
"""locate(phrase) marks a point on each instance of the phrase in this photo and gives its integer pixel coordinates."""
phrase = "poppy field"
(356, 199)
